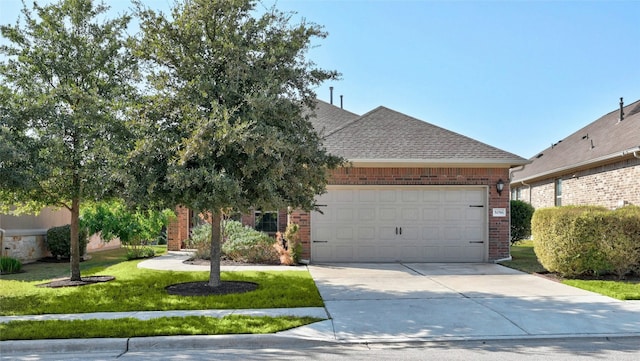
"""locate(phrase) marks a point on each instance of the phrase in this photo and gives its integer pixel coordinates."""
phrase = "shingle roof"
(387, 135)
(328, 117)
(602, 140)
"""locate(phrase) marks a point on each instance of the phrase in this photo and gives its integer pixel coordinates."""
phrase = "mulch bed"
(67, 282)
(203, 288)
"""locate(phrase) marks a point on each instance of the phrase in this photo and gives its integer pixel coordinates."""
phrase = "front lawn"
(525, 260)
(137, 289)
(165, 326)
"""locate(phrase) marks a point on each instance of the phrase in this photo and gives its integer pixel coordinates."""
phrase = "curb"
(120, 346)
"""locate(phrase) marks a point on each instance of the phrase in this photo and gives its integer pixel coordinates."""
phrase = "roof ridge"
(349, 123)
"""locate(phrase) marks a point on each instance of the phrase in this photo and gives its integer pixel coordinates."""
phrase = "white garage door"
(400, 224)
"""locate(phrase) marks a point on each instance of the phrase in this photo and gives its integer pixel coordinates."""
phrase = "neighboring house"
(23, 237)
(413, 192)
(597, 165)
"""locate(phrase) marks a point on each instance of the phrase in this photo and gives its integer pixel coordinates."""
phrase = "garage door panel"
(411, 233)
(345, 214)
(410, 196)
(388, 214)
(431, 196)
(366, 233)
(387, 196)
(367, 214)
(410, 214)
(438, 225)
(344, 233)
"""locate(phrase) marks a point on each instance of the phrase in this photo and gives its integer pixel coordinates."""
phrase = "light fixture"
(500, 186)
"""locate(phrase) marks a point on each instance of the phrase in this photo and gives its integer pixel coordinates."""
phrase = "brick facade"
(611, 185)
(179, 230)
(498, 226)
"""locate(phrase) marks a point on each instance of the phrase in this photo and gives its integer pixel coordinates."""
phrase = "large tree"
(224, 126)
(65, 83)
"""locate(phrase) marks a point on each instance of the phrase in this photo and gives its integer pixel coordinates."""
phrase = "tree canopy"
(66, 81)
(224, 124)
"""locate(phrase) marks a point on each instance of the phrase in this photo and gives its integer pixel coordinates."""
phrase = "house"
(412, 192)
(24, 237)
(597, 165)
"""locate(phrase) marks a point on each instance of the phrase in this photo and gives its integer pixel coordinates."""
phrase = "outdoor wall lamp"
(500, 186)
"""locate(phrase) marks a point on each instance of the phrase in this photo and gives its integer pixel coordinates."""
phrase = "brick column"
(178, 229)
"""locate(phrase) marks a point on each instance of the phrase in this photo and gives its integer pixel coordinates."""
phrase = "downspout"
(523, 183)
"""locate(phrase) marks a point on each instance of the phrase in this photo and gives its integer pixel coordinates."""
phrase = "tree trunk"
(214, 274)
(75, 243)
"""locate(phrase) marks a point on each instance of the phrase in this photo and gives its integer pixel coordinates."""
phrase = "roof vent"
(621, 111)
(539, 155)
(585, 136)
(331, 95)
(341, 102)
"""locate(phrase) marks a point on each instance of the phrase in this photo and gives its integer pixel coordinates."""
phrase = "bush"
(140, 252)
(620, 241)
(245, 244)
(59, 241)
(9, 265)
(575, 241)
(521, 213)
(199, 235)
(288, 245)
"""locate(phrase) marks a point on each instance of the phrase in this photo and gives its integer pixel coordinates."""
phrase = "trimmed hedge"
(59, 241)
(521, 213)
(587, 240)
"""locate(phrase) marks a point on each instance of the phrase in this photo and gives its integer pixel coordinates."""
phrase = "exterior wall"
(612, 185)
(30, 245)
(24, 246)
(178, 229)
(498, 226)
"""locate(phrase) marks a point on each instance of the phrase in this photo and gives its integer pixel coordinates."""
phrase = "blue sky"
(518, 75)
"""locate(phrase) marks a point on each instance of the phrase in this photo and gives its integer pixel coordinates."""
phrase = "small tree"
(521, 213)
(114, 220)
(65, 82)
(224, 125)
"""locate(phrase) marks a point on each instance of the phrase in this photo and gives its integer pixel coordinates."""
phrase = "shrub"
(521, 213)
(575, 241)
(199, 235)
(140, 252)
(288, 245)
(59, 241)
(620, 242)
(245, 244)
(9, 265)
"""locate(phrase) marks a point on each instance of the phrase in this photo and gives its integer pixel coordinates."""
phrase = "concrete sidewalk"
(395, 303)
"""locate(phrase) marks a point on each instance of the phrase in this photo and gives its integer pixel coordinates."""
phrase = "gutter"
(634, 151)
(446, 162)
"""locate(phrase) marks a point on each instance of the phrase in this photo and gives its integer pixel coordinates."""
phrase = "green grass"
(166, 326)
(622, 290)
(525, 260)
(43, 271)
(137, 289)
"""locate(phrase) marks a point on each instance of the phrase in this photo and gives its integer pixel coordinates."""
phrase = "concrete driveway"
(413, 302)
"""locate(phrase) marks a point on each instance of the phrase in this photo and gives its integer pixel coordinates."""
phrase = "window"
(266, 221)
(558, 192)
(519, 193)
